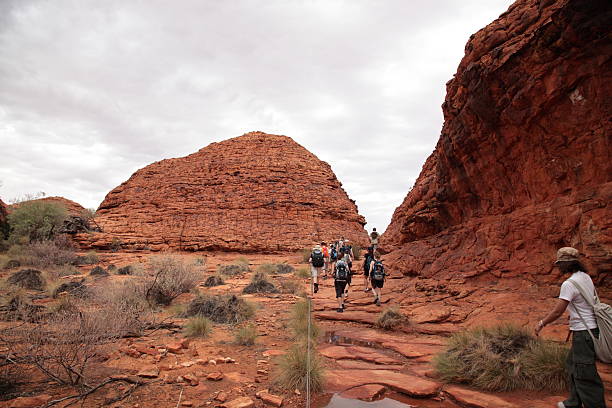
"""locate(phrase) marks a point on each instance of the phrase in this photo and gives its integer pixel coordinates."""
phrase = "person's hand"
(539, 327)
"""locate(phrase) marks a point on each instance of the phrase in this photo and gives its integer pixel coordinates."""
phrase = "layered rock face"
(256, 192)
(522, 166)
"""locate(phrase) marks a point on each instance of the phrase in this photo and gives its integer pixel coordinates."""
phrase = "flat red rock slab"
(477, 399)
(437, 328)
(412, 350)
(368, 392)
(357, 353)
(358, 317)
(363, 365)
(342, 380)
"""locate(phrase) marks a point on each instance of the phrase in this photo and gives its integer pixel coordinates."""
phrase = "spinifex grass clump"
(233, 269)
(260, 284)
(390, 319)
(214, 280)
(221, 308)
(299, 321)
(245, 335)
(198, 326)
(503, 358)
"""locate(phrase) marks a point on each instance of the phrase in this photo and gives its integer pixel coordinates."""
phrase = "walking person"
(377, 278)
(333, 257)
(326, 258)
(341, 278)
(367, 261)
(317, 262)
(374, 239)
(585, 386)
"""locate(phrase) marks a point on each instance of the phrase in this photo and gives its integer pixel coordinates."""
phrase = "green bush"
(503, 358)
(198, 326)
(245, 335)
(390, 319)
(37, 220)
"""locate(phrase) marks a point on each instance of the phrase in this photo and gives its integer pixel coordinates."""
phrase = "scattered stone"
(187, 403)
(242, 402)
(273, 353)
(215, 376)
(191, 379)
(342, 380)
(145, 349)
(271, 399)
(149, 372)
(221, 397)
(358, 353)
(174, 348)
(130, 352)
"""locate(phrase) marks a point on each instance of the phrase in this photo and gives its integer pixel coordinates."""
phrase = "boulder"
(253, 193)
(522, 166)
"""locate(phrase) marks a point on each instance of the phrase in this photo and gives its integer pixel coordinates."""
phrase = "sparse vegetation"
(221, 308)
(125, 270)
(233, 269)
(35, 221)
(245, 335)
(198, 326)
(293, 369)
(90, 258)
(214, 280)
(503, 358)
(28, 279)
(260, 284)
(98, 271)
(291, 286)
(275, 268)
(302, 272)
(300, 320)
(75, 288)
(390, 319)
(305, 255)
(172, 277)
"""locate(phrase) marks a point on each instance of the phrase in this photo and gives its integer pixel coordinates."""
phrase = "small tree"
(35, 221)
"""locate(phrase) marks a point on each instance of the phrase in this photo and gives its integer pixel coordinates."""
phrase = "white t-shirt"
(570, 293)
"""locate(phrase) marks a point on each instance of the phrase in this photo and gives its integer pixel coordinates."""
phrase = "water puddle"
(339, 402)
(332, 338)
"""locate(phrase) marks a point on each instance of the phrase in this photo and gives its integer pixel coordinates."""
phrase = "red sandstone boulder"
(522, 166)
(256, 192)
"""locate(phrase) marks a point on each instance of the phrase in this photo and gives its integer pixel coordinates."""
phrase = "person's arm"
(554, 314)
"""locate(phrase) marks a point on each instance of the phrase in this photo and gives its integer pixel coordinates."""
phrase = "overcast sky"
(91, 91)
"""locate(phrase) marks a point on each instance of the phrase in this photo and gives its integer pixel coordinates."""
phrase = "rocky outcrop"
(72, 208)
(522, 166)
(4, 228)
(256, 192)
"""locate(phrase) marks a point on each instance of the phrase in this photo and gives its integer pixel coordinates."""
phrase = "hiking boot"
(340, 310)
(377, 301)
(316, 287)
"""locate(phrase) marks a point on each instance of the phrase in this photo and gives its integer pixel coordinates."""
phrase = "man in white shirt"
(586, 388)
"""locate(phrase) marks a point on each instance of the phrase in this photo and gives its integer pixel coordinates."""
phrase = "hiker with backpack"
(326, 259)
(374, 238)
(341, 279)
(333, 257)
(367, 261)
(317, 262)
(377, 277)
(590, 323)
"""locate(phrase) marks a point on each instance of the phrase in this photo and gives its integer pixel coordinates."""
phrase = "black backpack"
(367, 262)
(334, 254)
(378, 273)
(317, 258)
(342, 272)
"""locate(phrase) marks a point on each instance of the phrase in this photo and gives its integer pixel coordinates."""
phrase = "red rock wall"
(522, 166)
(256, 192)
(3, 221)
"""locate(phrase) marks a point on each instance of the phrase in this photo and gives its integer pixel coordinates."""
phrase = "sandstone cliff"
(256, 192)
(522, 166)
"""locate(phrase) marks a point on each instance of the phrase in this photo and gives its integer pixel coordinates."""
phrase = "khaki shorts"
(314, 271)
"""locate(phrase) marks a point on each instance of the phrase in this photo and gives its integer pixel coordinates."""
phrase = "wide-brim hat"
(567, 254)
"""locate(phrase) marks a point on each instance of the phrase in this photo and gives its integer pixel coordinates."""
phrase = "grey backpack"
(603, 316)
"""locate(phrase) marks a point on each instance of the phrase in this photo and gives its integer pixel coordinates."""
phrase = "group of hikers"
(336, 260)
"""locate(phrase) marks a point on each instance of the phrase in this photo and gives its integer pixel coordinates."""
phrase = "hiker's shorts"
(377, 283)
(366, 272)
(585, 384)
(315, 270)
(339, 286)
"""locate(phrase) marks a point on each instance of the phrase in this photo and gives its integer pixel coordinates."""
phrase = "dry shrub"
(27, 279)
(233, 269)
(98, 271)
(245, 335)
(260, 284)
(215, 280)
(74, 288)
(301, 319)
(221, 308)
(305, 255)
(43, 254)
(125, 270)
(17, 305)
(503, 358)
(198, 326)
(90, 258)
(302, 272)
(290, 286)
(390, 319)
(171, 278)
(278, 268)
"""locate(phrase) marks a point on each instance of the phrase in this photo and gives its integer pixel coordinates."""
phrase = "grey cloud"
(91, 91)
